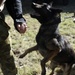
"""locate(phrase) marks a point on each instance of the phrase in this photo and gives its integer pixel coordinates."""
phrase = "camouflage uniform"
(6, 59)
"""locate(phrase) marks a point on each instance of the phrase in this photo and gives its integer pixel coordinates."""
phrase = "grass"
(20, 42)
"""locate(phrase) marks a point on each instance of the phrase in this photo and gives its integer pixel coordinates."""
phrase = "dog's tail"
(34, 48)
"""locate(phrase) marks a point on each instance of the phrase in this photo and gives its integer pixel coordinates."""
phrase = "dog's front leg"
(43, 68)
(34, 48)
(43, 63)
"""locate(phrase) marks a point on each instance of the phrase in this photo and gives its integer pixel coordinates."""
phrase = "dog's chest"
(42, 38)
(46, 33)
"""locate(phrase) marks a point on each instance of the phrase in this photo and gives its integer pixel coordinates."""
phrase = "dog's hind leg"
(67, 69)
(53, 65)
(34, 48)
(50, 56)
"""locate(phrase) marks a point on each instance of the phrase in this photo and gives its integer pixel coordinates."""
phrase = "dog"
(50, 44)
(65, 59)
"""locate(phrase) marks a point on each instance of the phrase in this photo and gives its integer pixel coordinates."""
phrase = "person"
(6, 58)
(14, 8)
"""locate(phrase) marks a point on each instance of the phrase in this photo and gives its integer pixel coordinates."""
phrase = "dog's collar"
(52, 22)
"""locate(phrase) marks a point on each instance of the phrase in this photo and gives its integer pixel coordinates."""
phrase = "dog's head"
(46, 13)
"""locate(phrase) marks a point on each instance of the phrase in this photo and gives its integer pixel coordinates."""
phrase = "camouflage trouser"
(6, 59)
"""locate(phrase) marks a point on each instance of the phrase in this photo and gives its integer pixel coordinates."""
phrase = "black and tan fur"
(51, 45)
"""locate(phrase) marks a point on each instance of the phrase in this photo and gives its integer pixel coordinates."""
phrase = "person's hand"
(21, 27)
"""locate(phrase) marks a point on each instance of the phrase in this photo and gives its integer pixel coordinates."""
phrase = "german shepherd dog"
(50, 44)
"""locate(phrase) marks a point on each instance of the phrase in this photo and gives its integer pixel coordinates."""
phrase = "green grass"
(20, 42)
